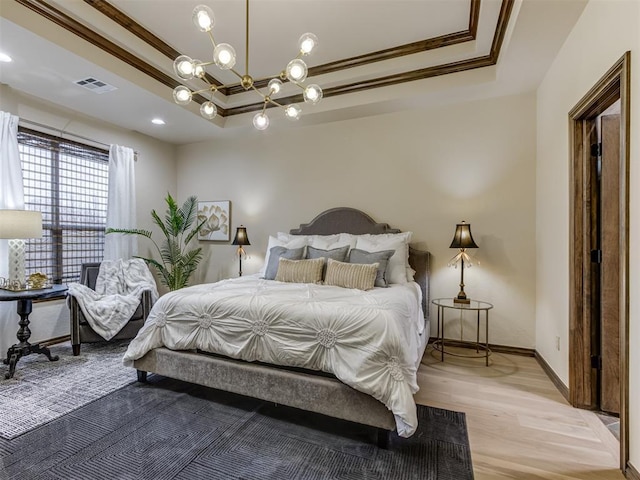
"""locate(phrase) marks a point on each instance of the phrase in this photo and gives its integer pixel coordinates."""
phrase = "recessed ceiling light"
(5, 58)
(158, 121)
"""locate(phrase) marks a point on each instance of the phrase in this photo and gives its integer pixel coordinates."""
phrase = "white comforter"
(372, 341)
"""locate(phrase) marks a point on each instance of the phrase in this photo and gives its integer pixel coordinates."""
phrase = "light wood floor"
(520, 426)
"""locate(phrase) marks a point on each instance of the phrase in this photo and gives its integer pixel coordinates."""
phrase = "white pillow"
(323, 242)
(399, 261)
(297, 241)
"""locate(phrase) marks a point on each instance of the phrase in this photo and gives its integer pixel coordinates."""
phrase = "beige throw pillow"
(300, 271)
(351, 275)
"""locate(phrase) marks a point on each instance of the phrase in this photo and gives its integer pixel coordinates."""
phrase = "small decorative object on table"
(462, 239)
(37, 280)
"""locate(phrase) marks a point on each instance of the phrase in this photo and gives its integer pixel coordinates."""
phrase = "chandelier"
(224, 57)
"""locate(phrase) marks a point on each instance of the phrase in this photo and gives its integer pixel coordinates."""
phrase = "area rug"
(42, 391)
(173, 430)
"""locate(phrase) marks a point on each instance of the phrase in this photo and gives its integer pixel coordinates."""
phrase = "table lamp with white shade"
(16, 225)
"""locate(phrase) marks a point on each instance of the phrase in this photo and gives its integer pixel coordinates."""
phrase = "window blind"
(66, 181)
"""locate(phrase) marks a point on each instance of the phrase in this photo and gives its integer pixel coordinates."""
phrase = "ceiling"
(373, 57)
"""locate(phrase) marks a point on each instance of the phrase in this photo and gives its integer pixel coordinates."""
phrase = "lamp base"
(16, 277)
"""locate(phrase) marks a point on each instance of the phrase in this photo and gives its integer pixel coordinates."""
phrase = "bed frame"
(303, 389)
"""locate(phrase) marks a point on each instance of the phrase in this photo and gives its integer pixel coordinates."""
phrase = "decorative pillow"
(275, 254)
(339, 253)
(351, 275)
(325, 242)
(399, 261)
(295, 242)
(300, 271)
(381, 258)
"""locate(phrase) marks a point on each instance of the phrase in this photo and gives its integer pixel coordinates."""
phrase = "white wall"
(601, 36)
(155, 176)
(421, 170)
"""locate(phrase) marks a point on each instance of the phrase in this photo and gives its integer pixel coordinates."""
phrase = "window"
(66, 181)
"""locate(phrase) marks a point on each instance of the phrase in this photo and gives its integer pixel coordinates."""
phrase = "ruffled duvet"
(372, 341)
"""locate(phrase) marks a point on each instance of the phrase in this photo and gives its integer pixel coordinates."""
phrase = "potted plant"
(176, 264)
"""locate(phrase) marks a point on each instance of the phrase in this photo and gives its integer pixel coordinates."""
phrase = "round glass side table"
(477, 306)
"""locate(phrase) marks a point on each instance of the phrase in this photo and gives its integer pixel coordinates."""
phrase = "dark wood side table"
(25, 299)
(477, 306)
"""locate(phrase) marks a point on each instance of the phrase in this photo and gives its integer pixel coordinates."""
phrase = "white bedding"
(372, 341)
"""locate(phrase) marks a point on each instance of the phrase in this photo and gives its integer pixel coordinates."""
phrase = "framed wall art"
(216, 216)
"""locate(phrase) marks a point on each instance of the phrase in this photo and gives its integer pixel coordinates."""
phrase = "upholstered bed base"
(293, 387)
(307, 391)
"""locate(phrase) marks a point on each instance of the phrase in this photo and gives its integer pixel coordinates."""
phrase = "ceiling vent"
(96, 86)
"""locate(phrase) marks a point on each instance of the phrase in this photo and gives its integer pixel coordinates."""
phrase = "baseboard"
(562, 388)
(53, 341)
(524, 352)
(631, 473)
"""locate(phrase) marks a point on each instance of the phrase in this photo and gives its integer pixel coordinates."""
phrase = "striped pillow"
(300, 271)
(351, 275)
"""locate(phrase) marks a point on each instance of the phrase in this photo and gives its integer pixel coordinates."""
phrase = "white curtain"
(11, 197)
(121, 206)
(11, 187)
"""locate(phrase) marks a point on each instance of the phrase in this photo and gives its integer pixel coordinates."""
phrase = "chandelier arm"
(266, 98)
(213, 42)
(198, 92)
(237, 74)
(275, 103)
(298, 84)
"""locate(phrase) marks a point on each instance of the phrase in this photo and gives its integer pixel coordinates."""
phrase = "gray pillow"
(381, 258)
(339, 254)
(274, 258)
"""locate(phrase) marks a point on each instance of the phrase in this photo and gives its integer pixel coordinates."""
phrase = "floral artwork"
(216, 220)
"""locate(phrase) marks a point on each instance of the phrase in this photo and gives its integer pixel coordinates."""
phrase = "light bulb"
(261, 121)
(224, 56)
(312, 94)
(198, 69)
(292, 112)
(182, 95)
(307, 43)
(208, 110)
(296, 70)
(203, 18)
(274, 86)
(183, 67)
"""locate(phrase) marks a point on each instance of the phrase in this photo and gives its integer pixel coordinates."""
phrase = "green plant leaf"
(129, 231)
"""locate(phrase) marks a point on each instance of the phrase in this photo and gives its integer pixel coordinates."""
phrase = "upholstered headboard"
(356, 222)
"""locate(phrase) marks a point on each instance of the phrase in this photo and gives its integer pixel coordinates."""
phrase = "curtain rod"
(61, 132)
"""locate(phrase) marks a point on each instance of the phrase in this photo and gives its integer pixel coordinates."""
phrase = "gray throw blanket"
(118, 292)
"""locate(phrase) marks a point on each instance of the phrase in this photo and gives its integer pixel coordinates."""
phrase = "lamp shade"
(20, 224)
(463, 238)
(241, 237)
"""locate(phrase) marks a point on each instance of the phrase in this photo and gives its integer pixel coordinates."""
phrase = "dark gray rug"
(42, 391)
(173, 430)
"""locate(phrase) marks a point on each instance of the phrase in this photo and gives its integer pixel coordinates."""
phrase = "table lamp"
(16, 225)
(462, 239)
(240, 240)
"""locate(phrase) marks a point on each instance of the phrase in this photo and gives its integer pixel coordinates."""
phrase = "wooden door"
(610, 267)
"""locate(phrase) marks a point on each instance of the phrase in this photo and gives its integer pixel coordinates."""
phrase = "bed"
(364, 395)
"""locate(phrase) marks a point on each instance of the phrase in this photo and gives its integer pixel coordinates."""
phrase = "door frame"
(582, 381)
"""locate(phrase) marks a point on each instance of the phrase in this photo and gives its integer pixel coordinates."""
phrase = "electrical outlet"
(557, 343)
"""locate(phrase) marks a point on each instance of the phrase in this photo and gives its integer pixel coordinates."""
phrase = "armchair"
(81, 331)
